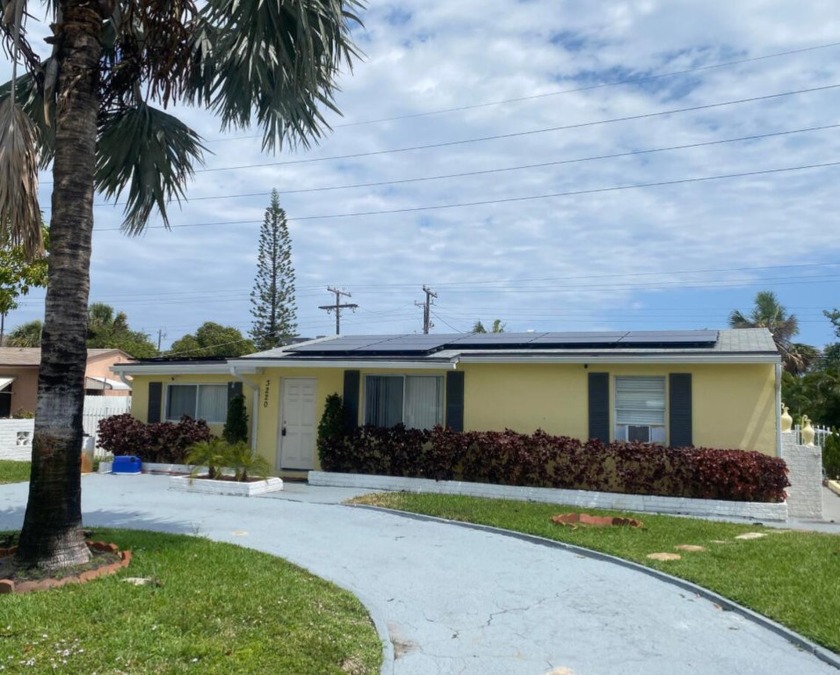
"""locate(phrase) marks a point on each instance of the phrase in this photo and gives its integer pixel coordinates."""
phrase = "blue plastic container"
(126, 464)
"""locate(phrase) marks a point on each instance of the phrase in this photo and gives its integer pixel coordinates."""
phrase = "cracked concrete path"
(455, 600)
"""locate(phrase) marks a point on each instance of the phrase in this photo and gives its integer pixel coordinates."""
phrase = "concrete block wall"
(805, 475)
(16, 439)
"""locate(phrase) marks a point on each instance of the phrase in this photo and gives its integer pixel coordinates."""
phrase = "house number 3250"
(265, 397)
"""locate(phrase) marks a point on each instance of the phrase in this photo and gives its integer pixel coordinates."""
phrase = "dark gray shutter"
(155, 399)
(455, 400)
(352, 380)
(679, 410)
(599, 406)
(234, 389)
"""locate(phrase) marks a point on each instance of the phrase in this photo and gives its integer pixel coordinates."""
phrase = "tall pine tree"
(273, 297)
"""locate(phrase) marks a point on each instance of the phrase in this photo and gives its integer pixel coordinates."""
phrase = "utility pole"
(337, 307)
(161, 335)
(427, 312)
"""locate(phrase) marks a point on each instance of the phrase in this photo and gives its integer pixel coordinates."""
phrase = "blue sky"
(597, 232)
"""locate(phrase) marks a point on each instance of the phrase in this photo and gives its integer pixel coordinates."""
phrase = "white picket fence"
(98, 408)
(16, 435)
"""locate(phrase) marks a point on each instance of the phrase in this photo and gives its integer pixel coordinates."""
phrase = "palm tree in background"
(95, 109)
(27, 334)
(769, 313)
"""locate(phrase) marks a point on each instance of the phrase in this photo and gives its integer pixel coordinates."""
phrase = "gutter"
(255, 404)
(778, 388)
(626, 358)
(347, 363)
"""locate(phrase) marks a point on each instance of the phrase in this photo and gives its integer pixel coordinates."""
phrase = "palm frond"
(20, 214)
(150, 153)
(31, 99)
(276, 63)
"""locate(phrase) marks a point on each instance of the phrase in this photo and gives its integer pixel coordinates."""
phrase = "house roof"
(734, 341)
(31, 356)
(446, 351)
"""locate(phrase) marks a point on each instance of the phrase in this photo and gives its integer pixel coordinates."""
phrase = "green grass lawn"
(13, 472)
(791, 577)
(214, 608)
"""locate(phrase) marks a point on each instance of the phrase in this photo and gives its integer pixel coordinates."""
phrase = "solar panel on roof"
(411, 344)
(670, 337)
(340, 344)
(513, 339)
(601, 338)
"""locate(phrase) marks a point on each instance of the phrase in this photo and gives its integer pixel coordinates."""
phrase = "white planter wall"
(16, 439)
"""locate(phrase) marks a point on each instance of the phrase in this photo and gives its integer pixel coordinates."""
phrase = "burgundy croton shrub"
(542, 460)
(165, 442)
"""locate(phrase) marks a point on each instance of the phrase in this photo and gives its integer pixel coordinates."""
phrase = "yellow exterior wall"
(733, 406)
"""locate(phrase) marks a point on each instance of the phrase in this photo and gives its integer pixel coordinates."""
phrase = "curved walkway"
(456, 600)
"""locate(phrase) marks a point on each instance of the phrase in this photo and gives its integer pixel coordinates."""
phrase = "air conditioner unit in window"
(640, 434)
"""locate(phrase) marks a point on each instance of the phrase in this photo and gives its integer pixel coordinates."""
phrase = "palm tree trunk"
(52, 536)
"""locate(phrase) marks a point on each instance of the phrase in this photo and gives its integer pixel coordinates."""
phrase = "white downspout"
(255, 405)
(778, 410)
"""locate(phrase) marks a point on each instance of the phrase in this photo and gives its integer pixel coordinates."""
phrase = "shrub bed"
(166, 442)
(542, 460)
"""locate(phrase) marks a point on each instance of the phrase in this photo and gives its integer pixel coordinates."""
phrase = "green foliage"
(26, 334)
(108, 329)
(12, 471)
(236, 424)
(498, 327)
(20, 272)
(273, 296)
(831, 455)
(211, 453)
(217, 454)
(210, 608)
(834, 317)
(152, 153)
(246, 463)
(816, 394)
(212, 340)
(331, 429)
(769, 313)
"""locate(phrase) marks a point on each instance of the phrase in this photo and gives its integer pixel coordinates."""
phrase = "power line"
(508, 200)
(465, 174)
(519, 99)
(520, 134)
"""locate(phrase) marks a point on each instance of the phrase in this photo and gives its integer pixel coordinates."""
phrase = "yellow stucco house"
(709, 388)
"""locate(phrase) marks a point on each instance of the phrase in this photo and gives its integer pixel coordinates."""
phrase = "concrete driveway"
(456, 600)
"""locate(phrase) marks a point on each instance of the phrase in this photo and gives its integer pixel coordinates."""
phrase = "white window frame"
(439, 404)
(197, 386)
(654, 416)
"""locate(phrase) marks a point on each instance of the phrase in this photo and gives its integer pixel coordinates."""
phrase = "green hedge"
(542, 460)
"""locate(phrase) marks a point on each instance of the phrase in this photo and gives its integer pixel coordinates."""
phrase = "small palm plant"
(212, 454)
(217, 453)
(246, 463)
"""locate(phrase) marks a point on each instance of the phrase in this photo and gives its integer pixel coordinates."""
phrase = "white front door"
(296, 433)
